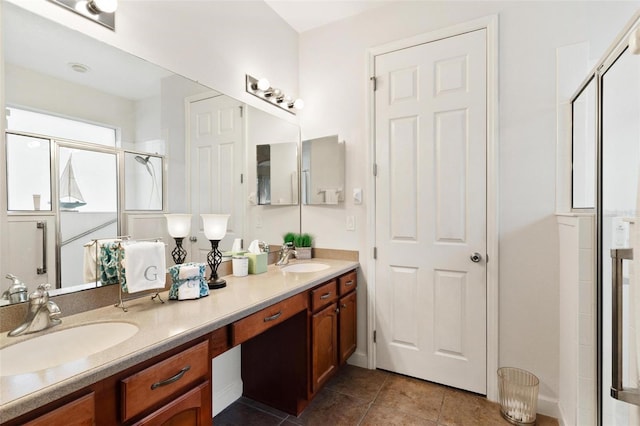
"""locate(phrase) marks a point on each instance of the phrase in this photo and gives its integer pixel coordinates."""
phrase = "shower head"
(142, 160)
(145, 162)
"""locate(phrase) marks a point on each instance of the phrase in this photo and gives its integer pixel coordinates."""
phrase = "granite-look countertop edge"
(57, 390)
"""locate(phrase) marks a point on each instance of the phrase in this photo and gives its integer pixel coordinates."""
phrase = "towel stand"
(121, 299)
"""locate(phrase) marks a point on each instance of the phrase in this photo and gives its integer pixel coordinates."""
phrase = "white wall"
(333, 80)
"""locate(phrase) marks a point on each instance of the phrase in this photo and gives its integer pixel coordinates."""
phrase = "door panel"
(619, 228)
(216, 141)
(430, 107)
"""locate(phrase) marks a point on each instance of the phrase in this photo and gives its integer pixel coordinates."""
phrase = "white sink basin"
(306, 267)
(60, 347)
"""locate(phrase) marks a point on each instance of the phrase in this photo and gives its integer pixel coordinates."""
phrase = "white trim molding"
(490, 24)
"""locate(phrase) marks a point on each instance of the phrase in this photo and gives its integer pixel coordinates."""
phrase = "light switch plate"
(351, 223)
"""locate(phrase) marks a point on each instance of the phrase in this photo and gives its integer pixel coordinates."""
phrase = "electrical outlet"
(351, 223)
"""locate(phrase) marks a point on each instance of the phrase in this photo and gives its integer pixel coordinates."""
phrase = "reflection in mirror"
(583, 178)
(323, 168)
(143, 181)
(28, 188)
(136, 107)
(277, 171)
(89, 212)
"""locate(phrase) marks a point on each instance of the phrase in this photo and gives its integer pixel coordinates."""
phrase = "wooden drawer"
(151, 385)
(348, 282)
(219, 341)
(80, 412)
(246, 328)
(323, 295)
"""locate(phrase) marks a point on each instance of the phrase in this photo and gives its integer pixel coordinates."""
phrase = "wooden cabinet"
(348, 316)
(333, 327)
(289, 351)
(80, 412)
(348, 323)
(186, 410)
(324, 344)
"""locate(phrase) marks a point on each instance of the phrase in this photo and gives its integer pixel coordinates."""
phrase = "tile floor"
(357, 396)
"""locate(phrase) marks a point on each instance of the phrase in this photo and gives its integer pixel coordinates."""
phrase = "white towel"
(189, 290)
(331, 196)
(187, 272)
(90, 259)
(144, 266)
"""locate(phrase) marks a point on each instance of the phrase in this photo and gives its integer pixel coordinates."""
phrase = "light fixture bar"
(91, 9)
(261, 88)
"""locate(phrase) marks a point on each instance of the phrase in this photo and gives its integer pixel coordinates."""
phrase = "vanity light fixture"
(215, 228)
(261, 88)
(179, 226)
(100, 11)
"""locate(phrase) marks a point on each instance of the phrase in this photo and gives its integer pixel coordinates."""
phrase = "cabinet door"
(80, 412)
(348, 326)
(187, 410)
(324, 335)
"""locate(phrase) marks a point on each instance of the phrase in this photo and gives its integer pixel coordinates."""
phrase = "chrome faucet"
(42, 313)
(285, 252)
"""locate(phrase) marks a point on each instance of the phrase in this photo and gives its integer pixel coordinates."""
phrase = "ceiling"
(304, 15)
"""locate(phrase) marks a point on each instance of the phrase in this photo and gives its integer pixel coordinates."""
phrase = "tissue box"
(257, 262)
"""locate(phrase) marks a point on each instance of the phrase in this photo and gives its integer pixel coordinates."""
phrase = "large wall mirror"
(156, 142)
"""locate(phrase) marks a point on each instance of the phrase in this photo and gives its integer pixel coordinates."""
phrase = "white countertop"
(161, 328)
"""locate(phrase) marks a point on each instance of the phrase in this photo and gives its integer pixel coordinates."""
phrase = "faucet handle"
(41, 294)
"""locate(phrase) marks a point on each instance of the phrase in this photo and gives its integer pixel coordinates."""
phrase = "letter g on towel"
(153, 270)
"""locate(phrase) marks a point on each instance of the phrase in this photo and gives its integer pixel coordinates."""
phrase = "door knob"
(193, 239)
(476, 257)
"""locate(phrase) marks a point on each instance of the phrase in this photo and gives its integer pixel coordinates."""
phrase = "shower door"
(619, 239)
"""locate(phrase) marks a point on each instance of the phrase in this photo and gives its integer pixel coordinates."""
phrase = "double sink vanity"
(152, 364)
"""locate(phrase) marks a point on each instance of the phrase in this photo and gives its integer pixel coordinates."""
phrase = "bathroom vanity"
(296, 329)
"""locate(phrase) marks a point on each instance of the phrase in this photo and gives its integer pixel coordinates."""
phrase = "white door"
(430, 118)
(216, 150)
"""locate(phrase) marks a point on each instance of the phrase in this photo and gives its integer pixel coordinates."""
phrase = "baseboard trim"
(549, 407)
(359, 359)
(226, 396)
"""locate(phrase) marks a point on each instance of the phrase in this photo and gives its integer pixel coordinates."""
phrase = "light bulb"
(263, 84)
(297, 104)
(102, 6)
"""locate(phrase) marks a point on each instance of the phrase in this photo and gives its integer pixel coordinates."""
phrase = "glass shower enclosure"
(614, 87)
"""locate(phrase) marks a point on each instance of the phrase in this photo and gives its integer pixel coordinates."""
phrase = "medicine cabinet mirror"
(277, 172)
(323, 169)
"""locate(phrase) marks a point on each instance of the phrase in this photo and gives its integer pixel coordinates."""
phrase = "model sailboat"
(70, 195)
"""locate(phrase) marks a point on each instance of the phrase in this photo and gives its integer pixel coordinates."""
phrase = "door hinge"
(241, 177)
(374, 336)
(241, 111)
(374, 80)
(487, 257)
(375, 252)
(375, 169)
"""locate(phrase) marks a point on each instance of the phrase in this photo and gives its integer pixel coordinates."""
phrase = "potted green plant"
(302, 242)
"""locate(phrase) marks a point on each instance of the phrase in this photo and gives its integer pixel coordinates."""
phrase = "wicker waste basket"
(518, 395)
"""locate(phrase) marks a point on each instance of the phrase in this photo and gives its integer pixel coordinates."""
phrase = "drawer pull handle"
(325, 296)
(348, 283)
(273, 317)
(171, 379)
